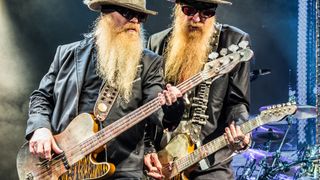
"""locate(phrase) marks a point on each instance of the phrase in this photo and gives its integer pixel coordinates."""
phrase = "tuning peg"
(213, 55)
(224, 51)
(243, 44)
(233, 48)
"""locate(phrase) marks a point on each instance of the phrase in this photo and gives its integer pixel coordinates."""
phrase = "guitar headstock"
(277, 112)
(229, 59)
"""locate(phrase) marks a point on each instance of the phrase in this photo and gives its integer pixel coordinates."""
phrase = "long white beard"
(119, 53)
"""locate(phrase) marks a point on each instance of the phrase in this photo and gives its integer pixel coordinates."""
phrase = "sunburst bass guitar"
(175, 163)
(78, 141)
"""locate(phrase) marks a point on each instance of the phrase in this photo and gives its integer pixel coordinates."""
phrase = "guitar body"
(88, 168)
(179, 146)
(80, 129)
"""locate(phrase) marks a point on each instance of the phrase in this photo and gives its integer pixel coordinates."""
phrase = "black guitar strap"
(199, 103)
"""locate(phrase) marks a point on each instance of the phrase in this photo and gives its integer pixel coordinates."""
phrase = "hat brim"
(96, 6)
(217, 2)
(209, 1)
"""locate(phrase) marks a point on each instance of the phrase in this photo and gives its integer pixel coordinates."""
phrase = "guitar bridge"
(65, 161)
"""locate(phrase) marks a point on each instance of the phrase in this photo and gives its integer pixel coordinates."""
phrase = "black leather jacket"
(56, 102)
(229, 95)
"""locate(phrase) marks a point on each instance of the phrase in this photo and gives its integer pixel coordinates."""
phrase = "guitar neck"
(213, 146)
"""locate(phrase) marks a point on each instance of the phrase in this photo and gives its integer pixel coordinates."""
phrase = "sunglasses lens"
(207, 13)
(189, 11)
(142, 17)
(128, 14)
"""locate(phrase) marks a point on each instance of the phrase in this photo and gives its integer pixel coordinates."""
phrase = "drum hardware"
(303, 167)
(274, 165)
(267, 133)
(308, 157)
(263, 163)
(268, 173)
(247, 172)
(253, 157)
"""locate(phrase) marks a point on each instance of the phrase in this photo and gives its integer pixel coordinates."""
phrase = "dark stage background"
(30, 31)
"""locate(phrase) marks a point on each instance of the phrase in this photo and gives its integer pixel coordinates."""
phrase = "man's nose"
(134, 20)
(196, 17)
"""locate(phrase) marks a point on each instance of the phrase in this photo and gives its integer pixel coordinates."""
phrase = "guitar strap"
(200, 103)
(200, 100)
(105, 101)
(107, 97)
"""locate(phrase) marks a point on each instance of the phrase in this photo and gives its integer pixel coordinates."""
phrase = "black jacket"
(56, 102)
(229, 94)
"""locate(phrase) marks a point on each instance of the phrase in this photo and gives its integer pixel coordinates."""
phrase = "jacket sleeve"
(168, 116)
(239, 91)
(41, 102)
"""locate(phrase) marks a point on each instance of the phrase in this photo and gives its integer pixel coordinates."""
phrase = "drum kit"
(270, 162)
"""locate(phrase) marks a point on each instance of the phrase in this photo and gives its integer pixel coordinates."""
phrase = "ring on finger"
(237, 141)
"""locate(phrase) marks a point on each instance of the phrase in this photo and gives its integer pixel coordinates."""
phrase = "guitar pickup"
(65, 161)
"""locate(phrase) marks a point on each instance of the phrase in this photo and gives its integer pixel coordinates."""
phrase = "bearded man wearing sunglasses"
(112, 55)
(185, 47)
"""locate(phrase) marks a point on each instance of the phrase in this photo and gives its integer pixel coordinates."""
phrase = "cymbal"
(256, 154)
(267, 133)
(303, 111)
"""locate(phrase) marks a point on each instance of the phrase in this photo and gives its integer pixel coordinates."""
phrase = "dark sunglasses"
(204, 13)
(126, 13)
